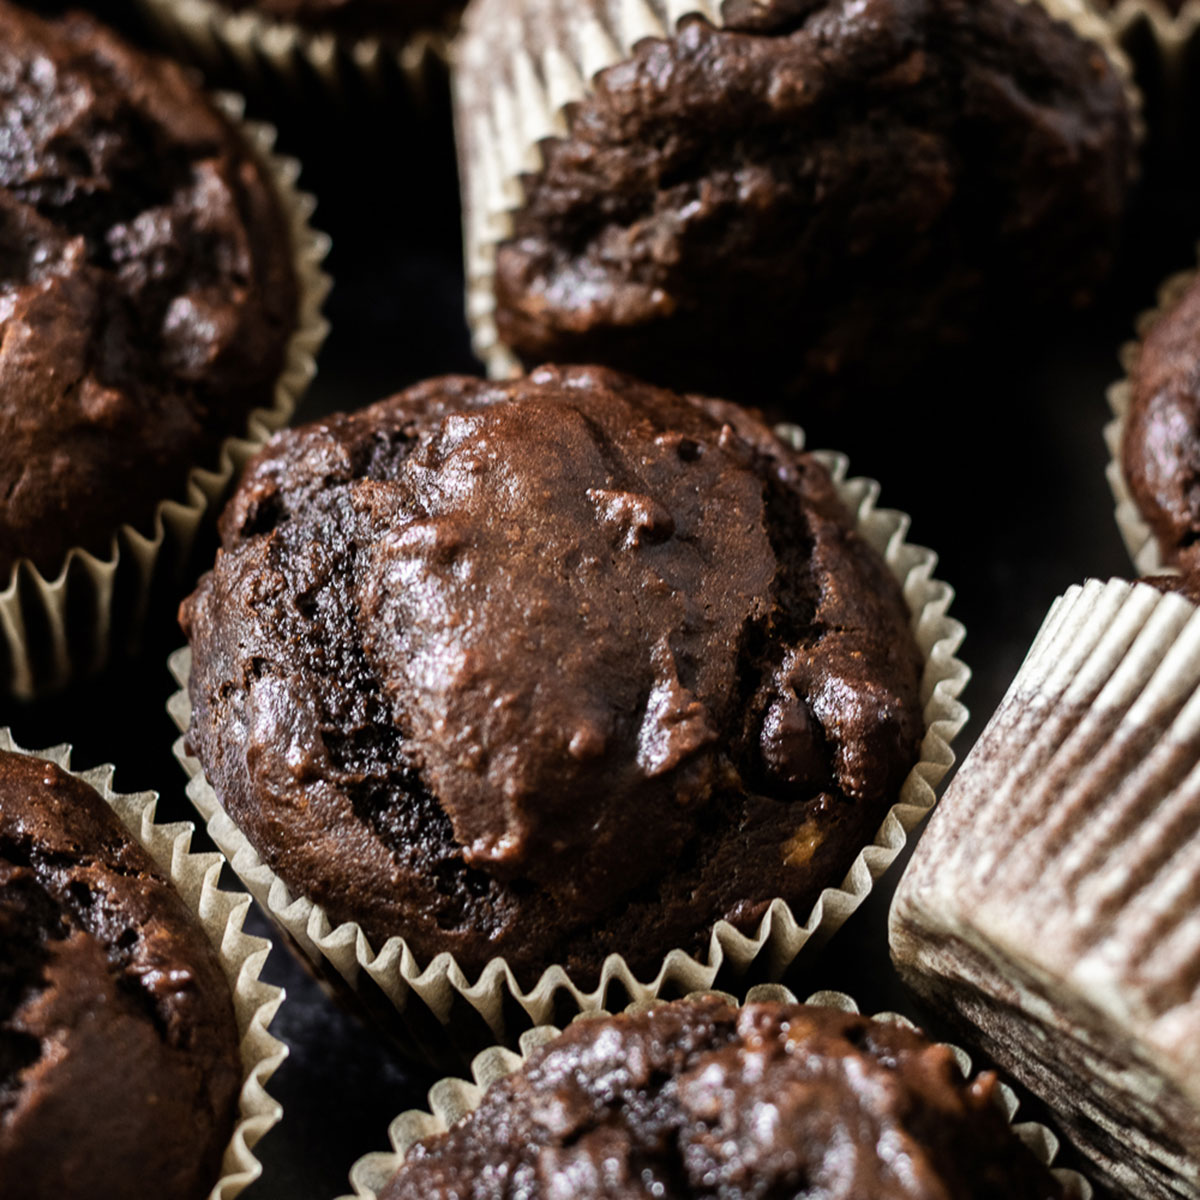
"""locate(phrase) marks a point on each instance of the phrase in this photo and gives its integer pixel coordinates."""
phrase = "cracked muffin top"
(146, 285)
(829, 189)
(119, 1064)
(698, 1098)
(549, 668)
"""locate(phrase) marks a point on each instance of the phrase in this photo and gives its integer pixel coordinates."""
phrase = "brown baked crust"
(698, 1098)
(825, 190)
(119, 1063)
(356, 18)
(146, 285)
(549, 669)
(1160, 448)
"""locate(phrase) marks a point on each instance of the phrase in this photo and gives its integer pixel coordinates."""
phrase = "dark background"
(995, 452)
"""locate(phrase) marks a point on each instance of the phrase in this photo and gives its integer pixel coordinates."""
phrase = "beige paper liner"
(512, 86)
(1139, 539)
(1055, 888)
(1170, 35)
(267, 52)
(452, 1099)
(52, 630)
(780, 936)
(221, 913)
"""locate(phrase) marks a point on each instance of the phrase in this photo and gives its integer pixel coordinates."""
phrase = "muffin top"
(826, 188)
(146, 286)
(486, 663)
(1160, 449)
(698, 1098)
(119, 1064)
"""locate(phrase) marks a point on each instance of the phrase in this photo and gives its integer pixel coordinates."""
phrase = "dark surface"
(997, 455)
(641, 619)
(702, 1099)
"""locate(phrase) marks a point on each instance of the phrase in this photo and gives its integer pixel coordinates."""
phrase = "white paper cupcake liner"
(266, 52)
(1057, 888)
(512, 89)
(55, 629)
(452, 1099)
(495, 1000)
(221, 913)
(1139, 539)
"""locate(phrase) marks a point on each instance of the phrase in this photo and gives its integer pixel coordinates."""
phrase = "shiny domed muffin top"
(485, 663)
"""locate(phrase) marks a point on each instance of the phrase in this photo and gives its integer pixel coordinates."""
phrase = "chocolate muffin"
(146, 286)
(827, 189)
(549, 669)
(699, 1098)
(119, 1063)
(1160, 443)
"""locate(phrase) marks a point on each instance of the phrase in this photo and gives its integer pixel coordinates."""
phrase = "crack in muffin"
(549, 669)
(146, 286)
(119, 1060)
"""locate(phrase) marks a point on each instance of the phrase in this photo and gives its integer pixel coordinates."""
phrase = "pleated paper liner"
(259, 53)
(1139, 539)
(1054, 903)
(433, 1002)
(512, 88)
(452, 1099)
(221, 913)
(1164, 50)
(53, 630)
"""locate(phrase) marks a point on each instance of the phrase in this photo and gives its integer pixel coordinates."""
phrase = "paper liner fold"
(1170, 34)
(1054, 902)
(452, 1099)
(1139, 539)
(512, 87)
(265, 51)
(496, 1004)
(221, 913)
(53, 630)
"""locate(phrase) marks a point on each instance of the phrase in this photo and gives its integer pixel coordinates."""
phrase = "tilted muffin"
(699, 1098)
(119, 1063)
(549, 669)
(147, 292)
(1051, 907)
(828, 189)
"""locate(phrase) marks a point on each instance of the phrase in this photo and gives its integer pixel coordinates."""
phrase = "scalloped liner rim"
(779, 937)
(177, 520)
(252, 39)
(242, 955)
(451, 1098)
